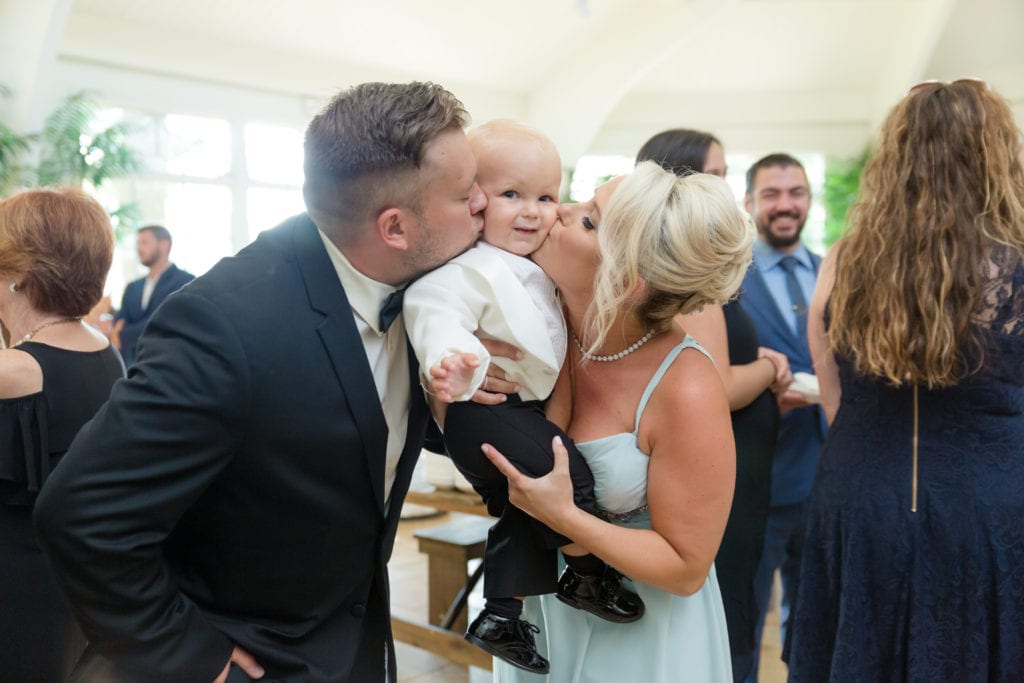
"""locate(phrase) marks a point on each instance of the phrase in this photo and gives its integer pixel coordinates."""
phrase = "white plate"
(807, 384)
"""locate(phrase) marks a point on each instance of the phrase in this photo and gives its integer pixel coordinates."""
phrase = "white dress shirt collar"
(365, 295)
(387, 354)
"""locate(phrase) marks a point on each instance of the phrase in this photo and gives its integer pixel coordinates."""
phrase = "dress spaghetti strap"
(687, 343)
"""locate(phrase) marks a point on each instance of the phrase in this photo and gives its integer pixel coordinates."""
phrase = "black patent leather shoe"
(603, 595)
(510, 640)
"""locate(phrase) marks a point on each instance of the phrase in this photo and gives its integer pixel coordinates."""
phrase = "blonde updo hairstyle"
(668, 245)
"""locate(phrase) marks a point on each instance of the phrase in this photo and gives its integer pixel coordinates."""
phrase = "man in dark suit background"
(143, 296)
(230, 512)
(776, 290)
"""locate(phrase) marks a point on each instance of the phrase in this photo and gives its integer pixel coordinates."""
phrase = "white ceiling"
(598, 75)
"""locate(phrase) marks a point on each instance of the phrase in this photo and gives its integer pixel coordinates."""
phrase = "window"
(267, 207)
(273, 154)
(591, 171)
(194, 146)
(200, 214)
(215, 184)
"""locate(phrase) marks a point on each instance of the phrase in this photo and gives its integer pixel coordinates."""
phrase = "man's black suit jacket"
(232, 489)
(135, 316)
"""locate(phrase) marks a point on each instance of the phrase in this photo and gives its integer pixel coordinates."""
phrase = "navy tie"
(390, 309)
(796, 294)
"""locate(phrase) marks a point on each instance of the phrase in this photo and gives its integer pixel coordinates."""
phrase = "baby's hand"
(452, 376)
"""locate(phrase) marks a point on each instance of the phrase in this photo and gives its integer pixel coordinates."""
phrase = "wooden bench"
(451, 500)
(448, 644)
(449, 548)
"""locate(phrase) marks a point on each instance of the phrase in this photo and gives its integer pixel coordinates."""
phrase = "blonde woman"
(753, 376)
(648, 411)
(913, 566)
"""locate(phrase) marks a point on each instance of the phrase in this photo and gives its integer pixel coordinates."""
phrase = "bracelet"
(423, 385)
(775, 366)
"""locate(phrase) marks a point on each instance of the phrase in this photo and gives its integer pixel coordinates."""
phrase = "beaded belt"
(621, 516)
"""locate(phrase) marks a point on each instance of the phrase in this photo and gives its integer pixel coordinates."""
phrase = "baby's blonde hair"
(483, 137)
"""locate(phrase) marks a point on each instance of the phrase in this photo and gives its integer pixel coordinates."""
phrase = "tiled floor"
(409, 600)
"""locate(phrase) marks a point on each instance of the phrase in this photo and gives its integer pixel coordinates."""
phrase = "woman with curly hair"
(913, 564)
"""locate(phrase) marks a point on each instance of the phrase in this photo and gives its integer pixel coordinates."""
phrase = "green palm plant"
(74, 148)
(842, 183)
(13, 147)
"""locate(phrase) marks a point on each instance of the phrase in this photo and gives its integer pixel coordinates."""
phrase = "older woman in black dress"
(55, 250)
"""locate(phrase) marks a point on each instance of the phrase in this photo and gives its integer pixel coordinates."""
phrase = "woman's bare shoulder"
(693, 377)
(690, 392)
(20, 374)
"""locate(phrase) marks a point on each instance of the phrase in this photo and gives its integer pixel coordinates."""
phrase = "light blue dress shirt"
(767, 259)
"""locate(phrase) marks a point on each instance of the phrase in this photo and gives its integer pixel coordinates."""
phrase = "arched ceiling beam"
(576, 97)
(30, 35)
(910, 56)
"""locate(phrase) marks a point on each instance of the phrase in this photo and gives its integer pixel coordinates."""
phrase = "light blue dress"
(679, 639)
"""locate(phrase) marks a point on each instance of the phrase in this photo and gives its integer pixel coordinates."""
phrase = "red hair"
(58, 244)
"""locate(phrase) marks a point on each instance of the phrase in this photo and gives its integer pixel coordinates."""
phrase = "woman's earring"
(14, 287)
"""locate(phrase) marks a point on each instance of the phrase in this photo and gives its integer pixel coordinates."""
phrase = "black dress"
(39, 639)
(887, 594)
(754, 429)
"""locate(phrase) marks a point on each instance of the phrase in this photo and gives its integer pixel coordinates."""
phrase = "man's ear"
(393, 225)
(748, 204)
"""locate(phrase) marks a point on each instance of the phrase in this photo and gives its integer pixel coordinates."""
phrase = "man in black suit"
(230, 512)
(142, 296)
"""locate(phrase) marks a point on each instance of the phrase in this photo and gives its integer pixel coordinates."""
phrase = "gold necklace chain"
(39, 328)
(615, 356)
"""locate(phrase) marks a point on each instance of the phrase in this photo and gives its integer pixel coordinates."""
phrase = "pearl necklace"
(39, 328)
(615, 356)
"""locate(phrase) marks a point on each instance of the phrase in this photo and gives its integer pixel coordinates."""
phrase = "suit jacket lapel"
(760, 303)
(133, 299)
(344, 347)
(415, 430)
(163, 283)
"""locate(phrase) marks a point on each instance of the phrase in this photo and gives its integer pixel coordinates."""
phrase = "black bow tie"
(390, 309)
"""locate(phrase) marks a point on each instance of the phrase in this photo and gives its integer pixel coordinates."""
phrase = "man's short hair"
(776, 160)
(159, 232)
(363, 150)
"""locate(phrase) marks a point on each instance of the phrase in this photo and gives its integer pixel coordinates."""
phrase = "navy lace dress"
(887, 594)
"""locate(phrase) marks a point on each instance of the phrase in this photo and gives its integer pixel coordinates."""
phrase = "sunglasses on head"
(977, 82)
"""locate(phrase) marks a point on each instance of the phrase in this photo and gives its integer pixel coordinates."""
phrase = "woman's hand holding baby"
(548, 498)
